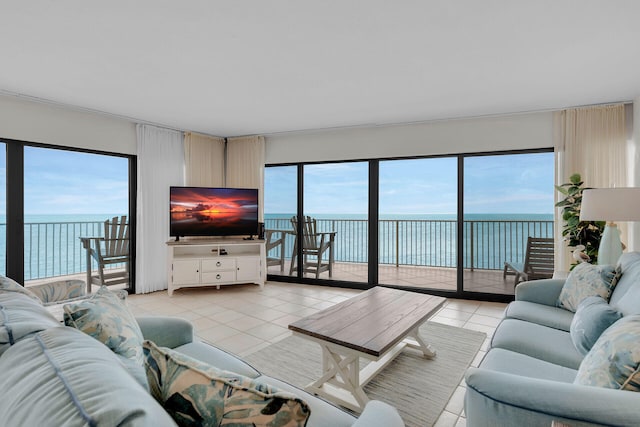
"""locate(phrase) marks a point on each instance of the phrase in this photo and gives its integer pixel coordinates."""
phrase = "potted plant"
(576, 232)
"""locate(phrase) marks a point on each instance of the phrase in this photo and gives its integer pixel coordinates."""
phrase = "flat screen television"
(205, 211)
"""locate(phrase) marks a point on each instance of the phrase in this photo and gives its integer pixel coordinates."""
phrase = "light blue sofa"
(526, 377)
(56, 375)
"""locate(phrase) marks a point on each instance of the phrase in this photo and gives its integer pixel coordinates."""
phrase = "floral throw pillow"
(614, 360)
(106, 317)
(587, 280)
(195, 393)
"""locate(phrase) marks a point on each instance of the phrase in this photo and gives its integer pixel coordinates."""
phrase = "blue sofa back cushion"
(587, 280)
(614, 360)
(626, 295)
(72, 379)
(20, 317)
(593, 316)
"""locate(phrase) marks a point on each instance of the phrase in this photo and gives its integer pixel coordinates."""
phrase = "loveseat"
(54, 375)
(536, 371)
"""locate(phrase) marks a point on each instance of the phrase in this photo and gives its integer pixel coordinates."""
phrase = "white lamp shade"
(610, 204)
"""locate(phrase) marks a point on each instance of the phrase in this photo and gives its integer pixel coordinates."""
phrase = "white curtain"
(590, 141)
(204, 160)
(160, 165)
(245, 165)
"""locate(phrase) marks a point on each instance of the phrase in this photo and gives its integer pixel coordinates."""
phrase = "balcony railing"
(54, 249)
(431, 243)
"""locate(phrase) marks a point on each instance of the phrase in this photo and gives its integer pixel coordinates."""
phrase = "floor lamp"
(610, 204)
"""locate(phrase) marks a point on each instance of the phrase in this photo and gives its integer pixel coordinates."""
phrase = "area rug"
(418, 387)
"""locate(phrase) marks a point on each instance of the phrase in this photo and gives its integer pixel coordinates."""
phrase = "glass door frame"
(15, 205)
(373, 246)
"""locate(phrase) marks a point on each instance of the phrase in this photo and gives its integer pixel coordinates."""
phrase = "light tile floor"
(243, 319)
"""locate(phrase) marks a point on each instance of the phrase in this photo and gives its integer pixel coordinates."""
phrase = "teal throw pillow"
(587, 280)
(106, 317)
(592, 318)
(614, 360)
(195, 393)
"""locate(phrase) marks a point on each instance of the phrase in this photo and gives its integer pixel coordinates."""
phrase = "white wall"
(49, 124)
(509, 132)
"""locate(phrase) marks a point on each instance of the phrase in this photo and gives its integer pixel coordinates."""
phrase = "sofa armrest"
(503, 396)
(543, 291)
(59, 291)
(379, 414)
(166, 331)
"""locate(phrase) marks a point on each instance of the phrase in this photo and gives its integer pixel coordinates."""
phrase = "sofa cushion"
(323, 413)
(10, 285)
(105, 317)
(216, 357)
(553, 317)
(614, 360)
(626, 295)
(194, 392)
(20, 317)
(72, 380)
(587, 280)
(510, 362)
(593, 316)
(52, 292)
(541, 342)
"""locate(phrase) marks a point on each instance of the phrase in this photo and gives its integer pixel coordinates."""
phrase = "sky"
(517, 183)
(58, 182)
(68, 182)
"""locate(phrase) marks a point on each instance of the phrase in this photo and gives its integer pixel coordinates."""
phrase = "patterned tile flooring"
(243, 319)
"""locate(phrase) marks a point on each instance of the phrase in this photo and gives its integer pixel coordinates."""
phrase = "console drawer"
(219, 277)
(217, 264)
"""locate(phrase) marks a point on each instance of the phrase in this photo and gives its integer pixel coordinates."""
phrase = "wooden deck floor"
(489, 281)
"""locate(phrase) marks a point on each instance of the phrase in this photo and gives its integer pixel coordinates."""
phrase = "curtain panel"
(204, 160)
(160, 165)
(590, 141)
(245, 165)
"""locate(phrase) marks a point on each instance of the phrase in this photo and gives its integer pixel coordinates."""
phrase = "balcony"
(422, 253)
(414, 253)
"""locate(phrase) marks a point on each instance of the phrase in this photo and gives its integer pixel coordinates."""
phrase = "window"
(59, 195)
(433, 233)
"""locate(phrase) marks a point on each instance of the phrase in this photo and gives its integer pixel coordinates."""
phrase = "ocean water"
(53, 247)
(430, 240)
(52, 243)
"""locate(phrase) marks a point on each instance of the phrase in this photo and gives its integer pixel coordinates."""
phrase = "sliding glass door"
(3, 209)
(445, 224)
(280, 206)
(68, 195)
(417, 223)
(336, 206)
(507, 198)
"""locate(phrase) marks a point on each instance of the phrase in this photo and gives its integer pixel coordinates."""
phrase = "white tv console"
(224, 261)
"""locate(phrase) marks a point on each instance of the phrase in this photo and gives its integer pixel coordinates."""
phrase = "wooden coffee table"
(377, 324)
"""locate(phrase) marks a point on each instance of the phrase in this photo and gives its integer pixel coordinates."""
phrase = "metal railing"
(431, 243)
(54, 248)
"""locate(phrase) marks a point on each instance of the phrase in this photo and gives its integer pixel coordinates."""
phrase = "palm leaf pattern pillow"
(106, 317)
(197, 394)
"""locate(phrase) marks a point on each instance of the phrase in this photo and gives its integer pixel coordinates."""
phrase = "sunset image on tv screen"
(197, 211)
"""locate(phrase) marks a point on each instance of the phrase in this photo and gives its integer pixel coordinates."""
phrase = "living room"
(321, 86)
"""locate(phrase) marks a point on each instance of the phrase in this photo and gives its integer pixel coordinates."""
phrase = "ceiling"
(258, 67)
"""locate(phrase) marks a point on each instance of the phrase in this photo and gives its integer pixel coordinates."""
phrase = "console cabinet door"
(186, 271)
(248, 269)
